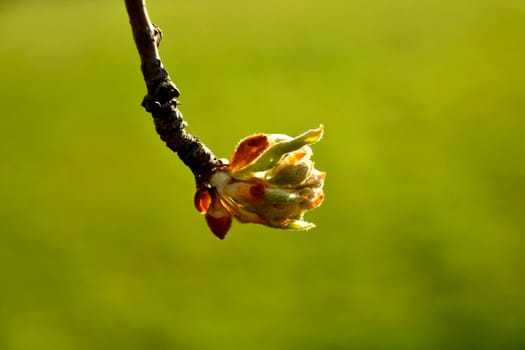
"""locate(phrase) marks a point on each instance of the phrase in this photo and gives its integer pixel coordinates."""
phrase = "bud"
(270, 180)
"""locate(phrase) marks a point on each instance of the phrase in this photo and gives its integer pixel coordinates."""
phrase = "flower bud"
(270, 180)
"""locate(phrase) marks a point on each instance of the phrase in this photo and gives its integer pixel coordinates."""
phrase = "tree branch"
(161, 98)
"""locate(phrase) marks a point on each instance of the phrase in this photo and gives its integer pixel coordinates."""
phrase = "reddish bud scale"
(247, 150)
(202, 199)
(218, 218)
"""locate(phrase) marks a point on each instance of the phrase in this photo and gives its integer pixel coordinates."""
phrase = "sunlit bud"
(270, 180)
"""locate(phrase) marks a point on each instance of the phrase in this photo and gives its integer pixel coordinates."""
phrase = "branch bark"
(161, 101)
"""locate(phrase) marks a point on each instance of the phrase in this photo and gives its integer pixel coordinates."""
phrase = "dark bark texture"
(161, 100)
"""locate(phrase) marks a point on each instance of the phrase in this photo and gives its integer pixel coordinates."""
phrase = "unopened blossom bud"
(270, 180)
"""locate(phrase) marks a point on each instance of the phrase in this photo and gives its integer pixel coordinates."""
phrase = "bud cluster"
(270, 180)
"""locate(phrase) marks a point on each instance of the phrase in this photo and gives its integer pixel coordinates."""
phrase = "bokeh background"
(420, 241)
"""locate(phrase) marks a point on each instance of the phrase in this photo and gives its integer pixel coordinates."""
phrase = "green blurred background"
(419, 242)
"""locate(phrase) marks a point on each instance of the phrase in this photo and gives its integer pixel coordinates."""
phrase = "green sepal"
(298, 225)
